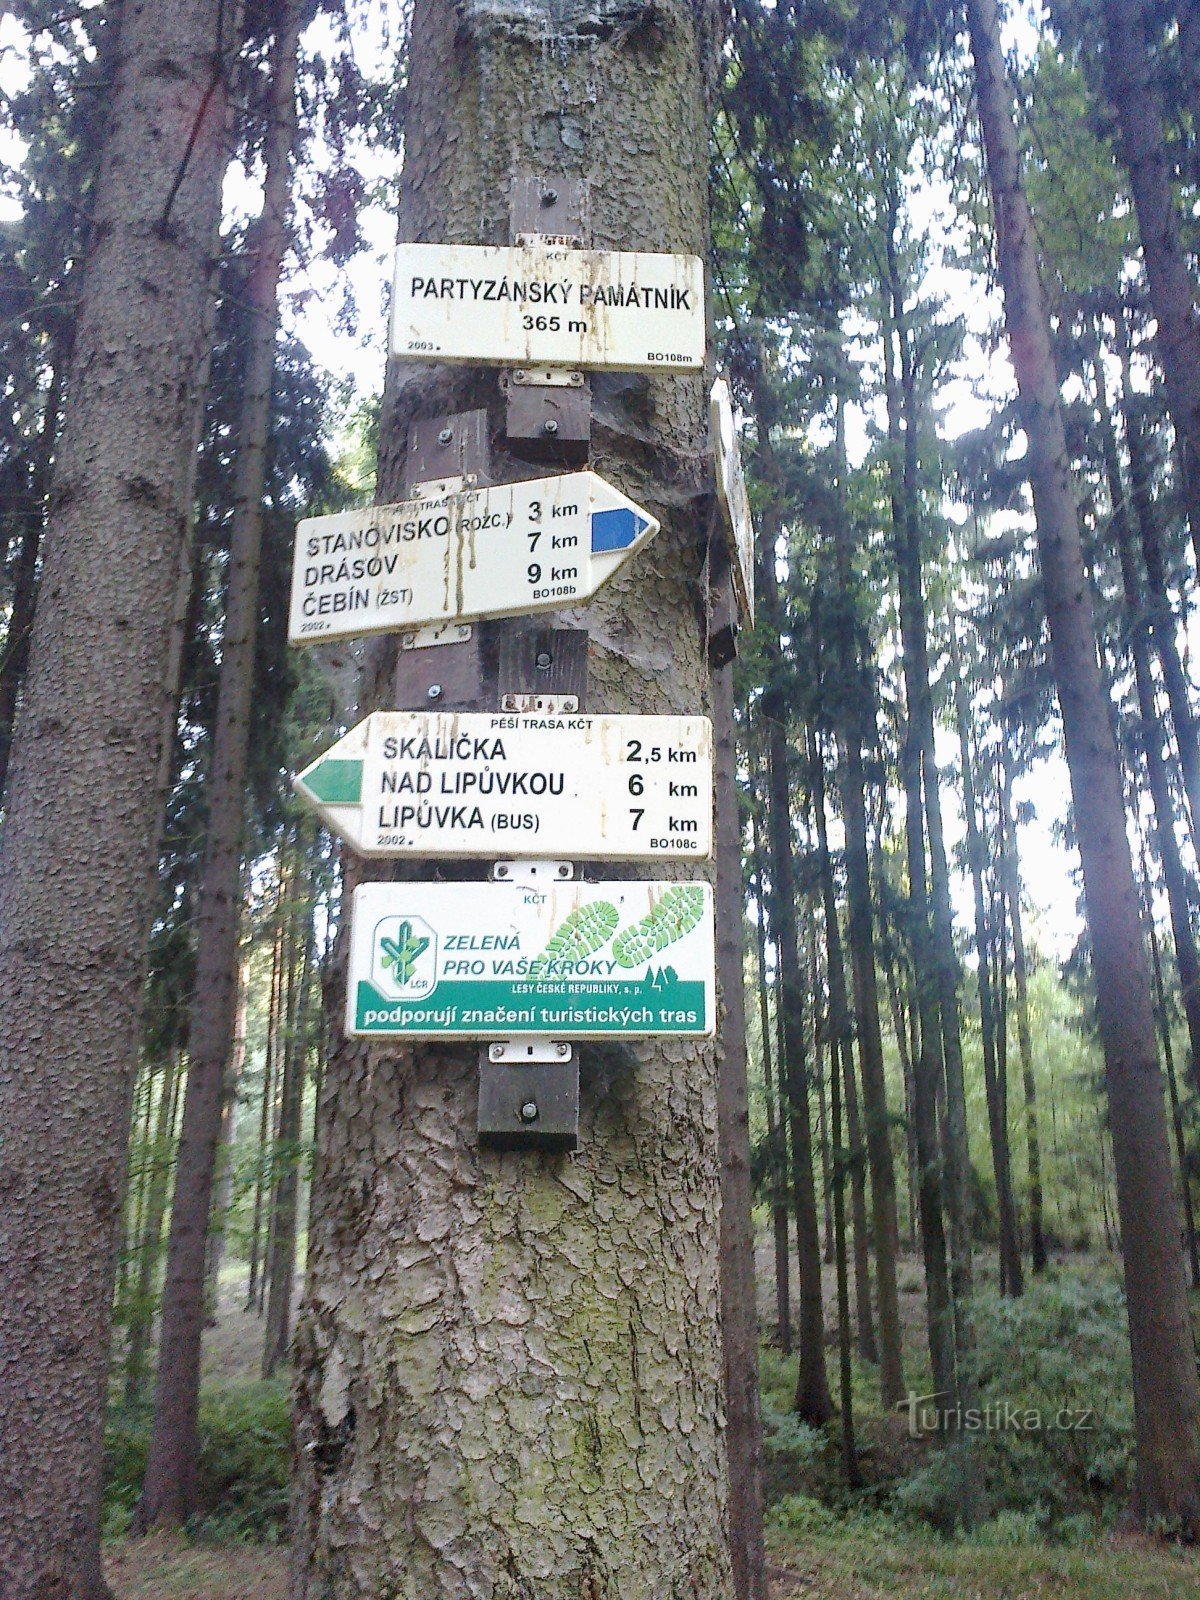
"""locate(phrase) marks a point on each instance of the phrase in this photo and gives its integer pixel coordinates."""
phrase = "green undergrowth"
(244, 1452)
(1048, 1459)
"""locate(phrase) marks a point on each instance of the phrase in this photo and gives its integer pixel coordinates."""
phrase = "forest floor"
(813, 1556)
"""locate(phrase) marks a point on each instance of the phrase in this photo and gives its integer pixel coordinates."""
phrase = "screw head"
(434, 691)
(528, 1111)
(496, 1052)
(501, 870)
(520, 374)
(542, 661)
(549, 197)
(564, 870)
(563, 1049)
(550, 426)
(446, 435)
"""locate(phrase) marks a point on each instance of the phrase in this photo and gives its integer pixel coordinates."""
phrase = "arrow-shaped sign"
(482, 784)
(540, 545)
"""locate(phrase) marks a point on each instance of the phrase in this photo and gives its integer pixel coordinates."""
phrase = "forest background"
(858, 312)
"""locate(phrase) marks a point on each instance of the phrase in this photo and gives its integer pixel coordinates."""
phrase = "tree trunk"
(1011, 1276)
(270, 1053)
(1166, 845)
(845, 1365)
(841, 1050)
(814, 1402)
(739, 1288)
(1164, 1033)
(776, 1131)
(142, 1320)
(509, 1365)
(1130, 80)
(168, 1493)
(1166, 1397)
(77, 856)
(218, 1226)
(1011, 866)
(287, 1149)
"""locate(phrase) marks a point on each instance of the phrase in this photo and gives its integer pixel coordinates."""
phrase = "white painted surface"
(733, 498)
(483, 785)
(522, 304)
(508, 550)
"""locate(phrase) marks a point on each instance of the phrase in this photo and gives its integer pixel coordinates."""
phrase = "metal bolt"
(563, 1049)
(446, 435)
(501, 870)
(550, 426)
(564, 870)
(434, 691)
(529, 1111)
(542, 661)
(496, 1052)
(549, 197)
(520, 374)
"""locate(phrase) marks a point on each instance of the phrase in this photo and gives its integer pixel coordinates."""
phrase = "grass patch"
(162, 1568)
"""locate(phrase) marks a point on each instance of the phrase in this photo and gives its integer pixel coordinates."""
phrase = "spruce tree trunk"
(1011, 1276)
(282, 1274)
(739, 1287)
(860, 928)
(77, 856)
(776, 1132)
(1011, 868)
(142, 1320)
(270, 1052)
(168, 1493)
(1130, 80)
(841, 1031)
(509, 1365)
(1166, 1396)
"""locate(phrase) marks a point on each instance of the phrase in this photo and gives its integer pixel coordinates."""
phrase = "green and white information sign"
(502, 960)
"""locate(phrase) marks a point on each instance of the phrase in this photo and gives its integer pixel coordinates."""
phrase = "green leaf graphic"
(402, 954)
(677, 913)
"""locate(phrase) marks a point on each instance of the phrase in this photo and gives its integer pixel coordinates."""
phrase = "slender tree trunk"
(1187, 15)
(1130, 80)
(1166, 1396)
(270, 1052)
(776, 1131)
(161, 1164)
(739, 1288)
(1164, 1033)
(842, 1061)
(1166, 844)
(1011, 1276)
(814, 1402)
(168, 1493)
(1011, 866)
(509, 1369)
(218, 1227)
(77, 854)
(845, 1365)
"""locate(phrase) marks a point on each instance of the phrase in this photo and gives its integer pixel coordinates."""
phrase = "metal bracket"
(548, 410)
(436, 633)
(532, 874)
(531, 1101)
(553, 704)
(448, 453)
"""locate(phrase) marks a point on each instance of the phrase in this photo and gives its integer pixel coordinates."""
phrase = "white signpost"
(731, 492)
(502, 961)
(502, 551)
(538, 302)
(487, 784)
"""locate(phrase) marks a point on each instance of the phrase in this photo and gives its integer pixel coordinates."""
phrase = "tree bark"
(168, 1493)
(739, 1288)
(270, 1053)
(842, 1061)
(142, 1319)
(77, 856)
(1166, 1397)
(509, 1367)
(1132, 88)
(1011, 865)
(1011, 1276)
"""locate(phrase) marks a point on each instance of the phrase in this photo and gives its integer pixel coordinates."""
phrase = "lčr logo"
(404, 957)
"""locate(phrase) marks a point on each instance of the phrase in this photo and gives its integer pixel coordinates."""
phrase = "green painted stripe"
(338, 783)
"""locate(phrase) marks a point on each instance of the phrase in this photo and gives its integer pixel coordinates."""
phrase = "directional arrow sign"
(503, 551)
(498, 960)
(539, 302)
(476, 784)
